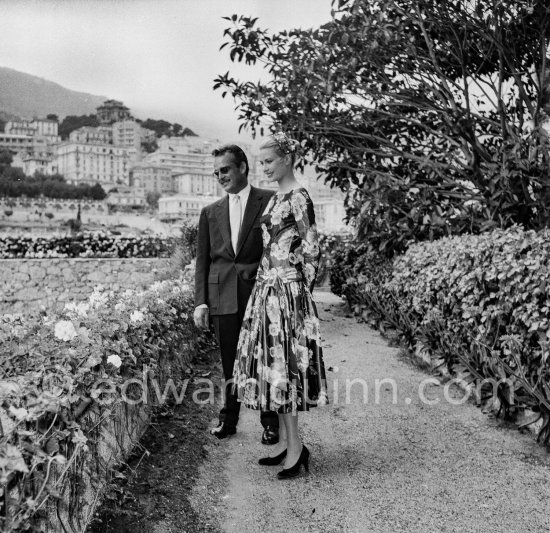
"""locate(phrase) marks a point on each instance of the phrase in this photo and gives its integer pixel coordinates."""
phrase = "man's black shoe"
(223, 431)
(270, 435)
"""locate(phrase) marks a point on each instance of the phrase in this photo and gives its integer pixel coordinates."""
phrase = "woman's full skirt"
(279, 364)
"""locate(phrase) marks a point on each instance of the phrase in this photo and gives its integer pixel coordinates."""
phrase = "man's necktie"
(235, 219)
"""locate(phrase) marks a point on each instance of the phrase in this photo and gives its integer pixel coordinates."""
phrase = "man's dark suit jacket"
(224, 278)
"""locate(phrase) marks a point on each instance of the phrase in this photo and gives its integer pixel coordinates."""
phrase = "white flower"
(115, 360)
(136, 317)
(156, 286)
(80, 308)
(98, 298)
(65, 330)
(120, 306)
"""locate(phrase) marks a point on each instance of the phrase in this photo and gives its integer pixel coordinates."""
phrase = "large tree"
(73, 122)
(429, 113)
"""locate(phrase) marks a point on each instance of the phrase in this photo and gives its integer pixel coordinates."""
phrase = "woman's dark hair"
(238, 155)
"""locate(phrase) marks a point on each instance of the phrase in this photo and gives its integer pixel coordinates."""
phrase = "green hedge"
(62, 377)
(480, 303)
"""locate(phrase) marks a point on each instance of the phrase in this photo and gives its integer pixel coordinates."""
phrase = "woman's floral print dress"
(279, 365)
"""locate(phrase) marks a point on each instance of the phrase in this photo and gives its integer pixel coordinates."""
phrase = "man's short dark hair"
(238, 155)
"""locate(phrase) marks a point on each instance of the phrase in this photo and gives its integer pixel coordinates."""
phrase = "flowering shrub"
(481, 303)
(84, 245)
(65, 383)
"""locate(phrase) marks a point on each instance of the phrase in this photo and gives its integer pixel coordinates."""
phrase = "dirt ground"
(392, 452)
(151, 494)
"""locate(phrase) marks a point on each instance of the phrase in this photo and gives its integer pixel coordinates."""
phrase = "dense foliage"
(14, 184)
(163, 127)
(428, 114)
(481, 303)
(160, 127)
(69, 399)
(96, 244)
(73, 122)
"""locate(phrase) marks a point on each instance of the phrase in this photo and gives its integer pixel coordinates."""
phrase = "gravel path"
(380, 465)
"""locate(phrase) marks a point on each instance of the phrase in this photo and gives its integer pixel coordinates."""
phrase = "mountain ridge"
(26, 96)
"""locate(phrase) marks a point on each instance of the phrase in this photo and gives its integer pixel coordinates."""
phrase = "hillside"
(26, 96)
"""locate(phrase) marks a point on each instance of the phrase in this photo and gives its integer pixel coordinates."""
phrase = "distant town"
(140, 170)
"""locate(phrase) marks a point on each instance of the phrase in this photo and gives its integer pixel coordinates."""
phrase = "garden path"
(380, 466)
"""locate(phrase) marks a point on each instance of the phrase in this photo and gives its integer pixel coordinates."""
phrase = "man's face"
(231, 177)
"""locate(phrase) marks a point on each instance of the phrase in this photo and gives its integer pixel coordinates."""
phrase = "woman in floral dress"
(279, 365)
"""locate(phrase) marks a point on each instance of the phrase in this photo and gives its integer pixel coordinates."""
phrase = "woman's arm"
(304, 214)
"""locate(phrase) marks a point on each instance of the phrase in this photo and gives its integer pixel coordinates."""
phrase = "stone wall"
(32, 284)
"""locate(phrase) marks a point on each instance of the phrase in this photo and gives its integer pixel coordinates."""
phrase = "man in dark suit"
(229, 248)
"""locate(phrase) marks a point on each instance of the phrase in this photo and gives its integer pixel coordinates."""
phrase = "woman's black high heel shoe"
(270, 461)
(294, 470)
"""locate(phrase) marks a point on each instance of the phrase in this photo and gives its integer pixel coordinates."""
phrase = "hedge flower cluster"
(49, 402)
(480, 304)
(85, 245)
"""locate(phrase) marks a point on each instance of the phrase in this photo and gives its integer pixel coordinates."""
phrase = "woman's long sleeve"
(304, 214)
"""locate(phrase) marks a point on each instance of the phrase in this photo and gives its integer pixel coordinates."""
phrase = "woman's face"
(275, 166)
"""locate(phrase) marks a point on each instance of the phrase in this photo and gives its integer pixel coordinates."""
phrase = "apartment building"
(92, 135)
(17, 144)
(105, 164)
(150, 177)
(112, 111)
(182, 155)
(37, 136)
(31, 163)
(130, 135)
(199, 183)
(182, 207)
(33, 128)
(127, 197)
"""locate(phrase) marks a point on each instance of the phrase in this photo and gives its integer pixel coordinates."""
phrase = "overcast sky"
(158, 56)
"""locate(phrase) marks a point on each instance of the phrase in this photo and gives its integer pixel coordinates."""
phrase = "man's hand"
(201, 317)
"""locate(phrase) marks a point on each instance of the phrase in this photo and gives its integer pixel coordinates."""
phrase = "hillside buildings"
(182, 207)
(178, 171)
(112, 111)
(91, 135)
(130, 134)
(89, 163)
(152, 178)
(37, 136)
(44, 128)
(31, 163)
